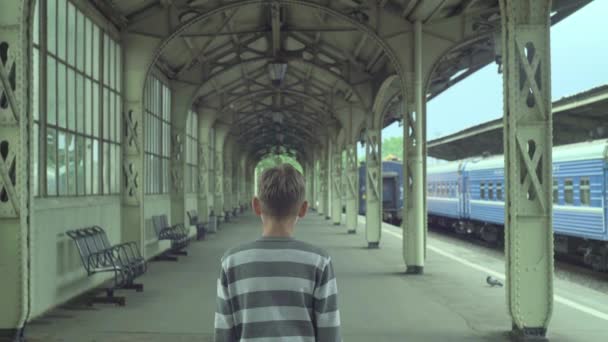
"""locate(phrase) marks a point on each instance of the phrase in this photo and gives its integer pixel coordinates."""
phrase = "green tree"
(275, 160)
(392, 146)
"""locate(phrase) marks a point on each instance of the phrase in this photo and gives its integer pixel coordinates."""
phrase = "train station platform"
(378, 302)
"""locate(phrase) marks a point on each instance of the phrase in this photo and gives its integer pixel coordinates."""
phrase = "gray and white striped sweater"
(277, 289)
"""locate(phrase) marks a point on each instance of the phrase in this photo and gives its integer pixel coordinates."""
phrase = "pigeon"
(493, 282)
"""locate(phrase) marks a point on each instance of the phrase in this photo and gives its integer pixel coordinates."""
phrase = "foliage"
(274, 160)
(392, 147)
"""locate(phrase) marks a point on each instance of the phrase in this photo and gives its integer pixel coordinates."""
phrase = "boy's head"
(281, 194)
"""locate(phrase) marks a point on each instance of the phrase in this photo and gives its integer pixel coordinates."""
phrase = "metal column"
(373, 186)
(527, 144)
(220, 135)
(15, 146)
(138, 53)
(205, 157)
(322, 184)
(180, 104)
(309, 174)
(414, 212)
(327, 180)
(227, 175)
(352, 187)
(336, 180)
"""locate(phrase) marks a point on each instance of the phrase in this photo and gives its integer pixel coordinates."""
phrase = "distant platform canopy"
(576, 118)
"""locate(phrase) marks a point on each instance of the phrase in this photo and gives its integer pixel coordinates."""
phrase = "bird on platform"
(493, 282)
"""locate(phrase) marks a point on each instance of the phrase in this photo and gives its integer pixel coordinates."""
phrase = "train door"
(605, 200)
(463, 193)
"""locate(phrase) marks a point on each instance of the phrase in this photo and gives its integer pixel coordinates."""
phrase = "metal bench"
(201, 229)
(98, 255)
(177, 234)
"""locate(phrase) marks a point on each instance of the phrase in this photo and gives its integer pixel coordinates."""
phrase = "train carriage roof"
(581, 151)
(448, 167)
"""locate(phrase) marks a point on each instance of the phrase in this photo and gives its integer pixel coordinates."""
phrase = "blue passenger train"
(392, 191)
(468, 196)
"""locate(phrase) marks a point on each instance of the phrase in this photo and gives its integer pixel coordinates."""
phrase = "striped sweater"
(277, 289)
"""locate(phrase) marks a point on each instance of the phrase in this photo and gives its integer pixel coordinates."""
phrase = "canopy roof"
(280, 71)
(576, 118)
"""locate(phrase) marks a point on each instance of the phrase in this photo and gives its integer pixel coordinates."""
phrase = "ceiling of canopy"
(277, 70)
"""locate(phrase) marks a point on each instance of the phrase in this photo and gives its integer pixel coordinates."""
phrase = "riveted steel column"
(352, 186)
(527, 144)
(327, 180)
(373, 186)
(220, 135)
(323, 183)
(336, 179)
(236, 179)
(205, 168)
(180, 104)
(308, 174)
(138, 52)
(243, 181)
(15, 196)
(227, 178)
(413, 173)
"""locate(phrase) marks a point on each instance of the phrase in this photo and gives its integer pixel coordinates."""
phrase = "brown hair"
(281, 191)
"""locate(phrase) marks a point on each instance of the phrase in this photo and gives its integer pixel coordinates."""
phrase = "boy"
(277, 288)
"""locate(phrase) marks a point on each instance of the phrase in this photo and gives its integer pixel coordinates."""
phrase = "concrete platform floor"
(450, 302)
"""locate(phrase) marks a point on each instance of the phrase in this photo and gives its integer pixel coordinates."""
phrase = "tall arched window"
(76, 103)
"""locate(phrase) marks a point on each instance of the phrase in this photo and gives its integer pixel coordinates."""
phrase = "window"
(568, 191)
(191, 182)
(584, 191)
(555, 192)
(111, 117)
(491, 190)
(73, 128)
(157, 104)
(482, 190)
(499, 191)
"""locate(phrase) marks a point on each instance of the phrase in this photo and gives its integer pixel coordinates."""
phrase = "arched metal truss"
(332, 49)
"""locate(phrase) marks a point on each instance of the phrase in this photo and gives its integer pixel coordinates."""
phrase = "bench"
(177, 234)
(98, 255)
(201, 230)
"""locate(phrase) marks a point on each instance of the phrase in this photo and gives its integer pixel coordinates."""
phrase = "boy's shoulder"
(294, 244)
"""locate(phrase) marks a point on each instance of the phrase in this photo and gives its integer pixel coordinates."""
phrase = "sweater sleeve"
(327, 315)
(224, 321)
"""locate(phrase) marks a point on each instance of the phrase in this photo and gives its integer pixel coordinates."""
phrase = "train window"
(584, 191)
(555, 192)
(482, 190)
(499, 191)
(491, 190)
(568, 191)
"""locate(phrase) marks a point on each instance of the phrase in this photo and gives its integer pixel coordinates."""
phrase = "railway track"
(567, 268)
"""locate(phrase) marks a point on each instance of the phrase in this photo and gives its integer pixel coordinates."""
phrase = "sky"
(579, 61)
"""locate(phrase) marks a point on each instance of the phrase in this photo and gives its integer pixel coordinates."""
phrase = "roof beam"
(275, 22)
